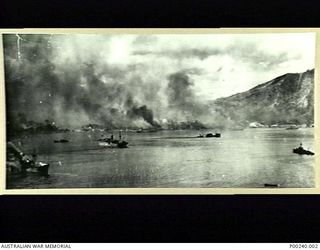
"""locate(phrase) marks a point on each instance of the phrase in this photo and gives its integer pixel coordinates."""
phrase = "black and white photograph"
(117, 110)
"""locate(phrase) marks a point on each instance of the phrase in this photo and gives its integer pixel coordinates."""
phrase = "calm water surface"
(239, 159)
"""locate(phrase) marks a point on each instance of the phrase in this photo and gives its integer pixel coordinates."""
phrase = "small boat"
(209, 135)
(111, 143)
(107, 144)
(122, 144)
(271, 185)
(213, 135)
(301, 151)
(40, 168)
(61, 141)
(114, 144)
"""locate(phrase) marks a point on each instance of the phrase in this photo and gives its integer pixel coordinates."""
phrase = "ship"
(18, 163)
(301, 151)
(209, 135)
(112, 143)
(61, 141)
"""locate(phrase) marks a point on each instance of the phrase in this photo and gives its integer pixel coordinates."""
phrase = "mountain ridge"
(285, 99)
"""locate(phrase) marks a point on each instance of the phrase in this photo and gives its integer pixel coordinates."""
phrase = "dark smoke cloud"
(179, 90)
(40, 85)
(182, 99)
(57, 78)
(143, 112)
(72, 94)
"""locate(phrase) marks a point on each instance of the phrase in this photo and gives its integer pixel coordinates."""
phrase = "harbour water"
(239, 159)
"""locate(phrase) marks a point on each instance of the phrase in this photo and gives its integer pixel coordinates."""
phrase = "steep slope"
(285, 99)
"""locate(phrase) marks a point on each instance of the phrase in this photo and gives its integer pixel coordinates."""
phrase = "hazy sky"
(140, 80)
(219, 64)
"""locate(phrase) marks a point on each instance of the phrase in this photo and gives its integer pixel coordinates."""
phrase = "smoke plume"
(143, 112)
(73, 88)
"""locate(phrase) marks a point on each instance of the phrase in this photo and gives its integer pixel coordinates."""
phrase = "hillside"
(285, 99)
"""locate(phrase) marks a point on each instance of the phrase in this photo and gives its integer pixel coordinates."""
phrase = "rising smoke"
(44, 84)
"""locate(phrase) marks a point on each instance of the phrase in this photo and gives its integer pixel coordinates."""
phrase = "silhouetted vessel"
(301, 151)
(61, 141)
(271, 185)
(111, 143)
(209, 135)
(20, 164)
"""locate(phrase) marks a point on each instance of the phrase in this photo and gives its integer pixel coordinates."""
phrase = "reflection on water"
(246, 159)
